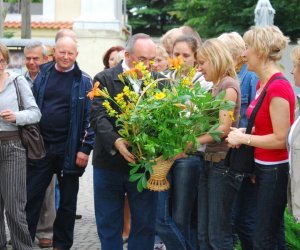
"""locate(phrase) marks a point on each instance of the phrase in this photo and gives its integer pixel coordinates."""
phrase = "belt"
(6, 136)
(215, 157)
(196, 153)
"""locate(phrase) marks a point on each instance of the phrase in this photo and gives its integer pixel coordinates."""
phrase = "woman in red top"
(264, 49)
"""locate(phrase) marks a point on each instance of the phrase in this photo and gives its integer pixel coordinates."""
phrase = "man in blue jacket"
(61, 91)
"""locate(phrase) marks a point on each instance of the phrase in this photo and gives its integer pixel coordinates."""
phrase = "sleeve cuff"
(85, 149)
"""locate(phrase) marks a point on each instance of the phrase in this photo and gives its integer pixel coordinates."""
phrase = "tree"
(213, 17)
(26, 19)
(152, 17)
(287, 17)
(1, 18)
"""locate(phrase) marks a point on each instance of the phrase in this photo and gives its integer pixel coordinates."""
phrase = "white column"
(49, 10)
(100, 15)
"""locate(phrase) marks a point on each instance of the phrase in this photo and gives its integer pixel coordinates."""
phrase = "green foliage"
(292, 232)
(213, 17)
(209, 17)
(151, 17)
(287, 17)
(8, 34)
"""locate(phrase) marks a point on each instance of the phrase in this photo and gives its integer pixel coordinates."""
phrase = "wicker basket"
(158, 180)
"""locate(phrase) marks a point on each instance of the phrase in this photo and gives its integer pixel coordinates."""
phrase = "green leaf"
(144, 181)
(140, 186)
(135, 177)
(134, 169)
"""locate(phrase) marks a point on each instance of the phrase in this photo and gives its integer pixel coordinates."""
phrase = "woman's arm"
(224, 119)
(31, 113)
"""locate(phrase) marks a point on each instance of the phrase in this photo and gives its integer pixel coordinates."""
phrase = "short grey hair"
(65, 32)
(131, 41)
(35, 44)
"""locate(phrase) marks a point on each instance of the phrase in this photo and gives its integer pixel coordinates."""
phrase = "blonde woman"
(295, 56)
(244, 210)
(216, 183)
(264, 48)
(161, 62)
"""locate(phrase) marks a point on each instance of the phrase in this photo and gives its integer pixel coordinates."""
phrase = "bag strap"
(259, 103)
(20, 101)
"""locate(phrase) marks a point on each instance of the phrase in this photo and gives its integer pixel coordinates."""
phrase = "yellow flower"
(231, 115)
(186, 81)
(111, 112)
(176, 63)
(119, 97)
(160, 95)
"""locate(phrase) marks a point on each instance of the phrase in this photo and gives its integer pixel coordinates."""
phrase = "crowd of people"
(209, 205)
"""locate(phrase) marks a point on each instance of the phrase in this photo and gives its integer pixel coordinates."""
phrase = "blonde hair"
(160, 51)
(235, 44)
(295, 54)
(268, 41)
(5, 53)
(167, 40)
(190, 31)
(221, 61)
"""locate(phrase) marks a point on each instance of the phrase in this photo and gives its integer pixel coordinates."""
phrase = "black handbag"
(31, 137)
(242, 159)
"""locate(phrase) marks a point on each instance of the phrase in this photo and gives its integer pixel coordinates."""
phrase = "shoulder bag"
(30, 134)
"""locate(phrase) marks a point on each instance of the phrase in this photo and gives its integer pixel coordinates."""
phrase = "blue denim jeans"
(271, 202)
(39, 175)
(109, 194)
(244, 213)
(176, 229)
(216, 193)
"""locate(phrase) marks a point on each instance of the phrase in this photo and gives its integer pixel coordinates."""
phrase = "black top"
(56, 106)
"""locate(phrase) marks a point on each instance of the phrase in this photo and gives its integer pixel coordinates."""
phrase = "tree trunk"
(26, 19)
(1, 18)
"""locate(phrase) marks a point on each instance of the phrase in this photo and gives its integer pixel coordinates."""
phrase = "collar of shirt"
(135, 85)
(65, 70)
(28, 78)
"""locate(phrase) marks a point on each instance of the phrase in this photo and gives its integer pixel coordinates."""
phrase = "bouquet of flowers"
(162, 120)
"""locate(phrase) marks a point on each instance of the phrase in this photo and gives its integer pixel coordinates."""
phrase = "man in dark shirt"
(111, 158)
(60, 90)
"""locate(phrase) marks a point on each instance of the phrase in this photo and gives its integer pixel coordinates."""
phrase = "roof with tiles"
(40, 25)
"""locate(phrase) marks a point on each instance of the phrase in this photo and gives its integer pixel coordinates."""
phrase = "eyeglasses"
(3, 62)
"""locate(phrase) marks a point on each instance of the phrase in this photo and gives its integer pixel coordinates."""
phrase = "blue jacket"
(81, 135)
(248, 82)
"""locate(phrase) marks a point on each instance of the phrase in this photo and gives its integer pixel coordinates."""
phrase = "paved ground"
(86, 237)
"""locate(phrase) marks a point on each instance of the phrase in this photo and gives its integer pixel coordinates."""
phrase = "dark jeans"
(216, 193)
(109, 193)
(39, 175)
(244, 213)
(175, 228)
(271, 202)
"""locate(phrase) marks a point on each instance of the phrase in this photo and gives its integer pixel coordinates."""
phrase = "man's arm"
(103, 125)
(87, 136)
